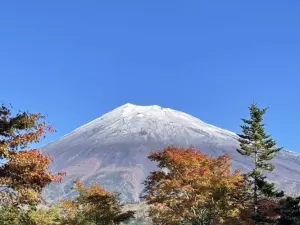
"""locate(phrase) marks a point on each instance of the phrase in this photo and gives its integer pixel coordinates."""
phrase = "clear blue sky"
(76, 60)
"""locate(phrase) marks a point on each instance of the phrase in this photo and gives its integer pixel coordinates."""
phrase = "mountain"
(112, 150)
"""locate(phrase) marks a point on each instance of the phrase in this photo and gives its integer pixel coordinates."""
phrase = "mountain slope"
(112, 150)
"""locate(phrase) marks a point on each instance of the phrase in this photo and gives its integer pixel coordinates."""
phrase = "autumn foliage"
(94, 205)
(27, 173)
(193, 188)
(23, 172)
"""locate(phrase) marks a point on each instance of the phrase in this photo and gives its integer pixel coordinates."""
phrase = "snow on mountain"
(112, 150)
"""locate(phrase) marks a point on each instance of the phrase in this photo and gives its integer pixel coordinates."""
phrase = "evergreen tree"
(257, 144)
(289, 211)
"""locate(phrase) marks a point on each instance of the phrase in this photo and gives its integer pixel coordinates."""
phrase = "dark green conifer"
(257, 144)
(289, 211)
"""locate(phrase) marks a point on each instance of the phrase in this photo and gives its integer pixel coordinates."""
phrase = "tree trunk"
(255, 189)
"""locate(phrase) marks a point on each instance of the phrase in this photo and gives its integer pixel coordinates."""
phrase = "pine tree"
(289, 211)
(257, 144)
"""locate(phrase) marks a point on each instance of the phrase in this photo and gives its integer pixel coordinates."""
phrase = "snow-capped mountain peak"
(112, 150)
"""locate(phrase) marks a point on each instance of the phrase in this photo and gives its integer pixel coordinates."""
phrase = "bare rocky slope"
(112, 150)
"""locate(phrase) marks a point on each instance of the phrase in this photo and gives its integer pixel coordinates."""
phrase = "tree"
(193, 188)
(257, 144)
(23, 172)
(289, 211)
(44, 216)
(10, 215)
(94, 206)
